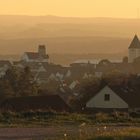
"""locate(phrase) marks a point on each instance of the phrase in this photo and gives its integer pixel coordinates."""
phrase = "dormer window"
(107, 97)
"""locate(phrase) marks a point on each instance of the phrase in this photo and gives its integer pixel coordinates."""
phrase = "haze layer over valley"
(70, 37)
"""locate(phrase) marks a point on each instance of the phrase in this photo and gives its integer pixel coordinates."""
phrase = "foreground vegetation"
(66, 126)
(45, 118)
(125, 134)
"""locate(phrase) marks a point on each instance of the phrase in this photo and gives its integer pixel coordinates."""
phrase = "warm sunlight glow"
(74, 8)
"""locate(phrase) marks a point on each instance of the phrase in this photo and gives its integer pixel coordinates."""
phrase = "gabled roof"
(135, 43)
(34, 55)
(53, 102)
(5, 62)
(130, 95)
(42, 76)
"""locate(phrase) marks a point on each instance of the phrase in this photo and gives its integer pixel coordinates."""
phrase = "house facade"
(40, 56)
(4, 66)
(112, 98)
(106, 98)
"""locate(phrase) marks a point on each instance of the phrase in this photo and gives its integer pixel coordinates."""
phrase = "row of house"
(45, 71)
(107, 99)
(122, 98)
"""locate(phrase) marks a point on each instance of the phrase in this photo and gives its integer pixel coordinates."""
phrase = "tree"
(114, 77)
(5, 89)
(88, 88)
(21, 82)
(27, 86)
(12, 77)
(125, 60)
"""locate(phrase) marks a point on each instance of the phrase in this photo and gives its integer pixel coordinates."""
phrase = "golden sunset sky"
(72, 8)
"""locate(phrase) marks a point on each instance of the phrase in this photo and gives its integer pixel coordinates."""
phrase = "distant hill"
(72, 45)
(66, 35)
(43, 26)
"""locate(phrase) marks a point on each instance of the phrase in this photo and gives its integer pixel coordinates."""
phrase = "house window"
(107, 97)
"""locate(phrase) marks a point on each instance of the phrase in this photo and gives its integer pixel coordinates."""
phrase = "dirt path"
(51, 132)
(36, 133)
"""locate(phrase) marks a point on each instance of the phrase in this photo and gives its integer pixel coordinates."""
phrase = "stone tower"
(42, 50)
(134, 49)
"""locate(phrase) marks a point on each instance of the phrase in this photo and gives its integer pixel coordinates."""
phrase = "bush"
(102, 117)
(121, 116)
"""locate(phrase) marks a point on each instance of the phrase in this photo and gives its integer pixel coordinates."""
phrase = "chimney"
(42, 50)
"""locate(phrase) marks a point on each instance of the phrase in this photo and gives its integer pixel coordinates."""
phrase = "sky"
(72, 8)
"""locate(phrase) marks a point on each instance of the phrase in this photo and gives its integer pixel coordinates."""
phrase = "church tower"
(134, 49)
(42, 50)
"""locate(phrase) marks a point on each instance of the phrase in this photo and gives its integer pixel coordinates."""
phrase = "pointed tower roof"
(135, 44)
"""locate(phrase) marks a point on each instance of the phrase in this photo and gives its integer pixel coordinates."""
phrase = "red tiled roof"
(4, 62)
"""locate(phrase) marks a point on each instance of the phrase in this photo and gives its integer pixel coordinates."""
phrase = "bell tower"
(42, 50)
(134, 49)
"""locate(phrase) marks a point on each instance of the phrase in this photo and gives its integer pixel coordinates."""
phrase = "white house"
(4, 65)
(42, 69)
(73, 85)
(52, 77)
(68, 74)
(85, 76)
(134, 49)
(98, 74)
(106, 98)
(115, 98)
(40, 56)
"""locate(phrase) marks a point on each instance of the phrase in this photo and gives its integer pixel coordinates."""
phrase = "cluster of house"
(45, 71)
(106, 98)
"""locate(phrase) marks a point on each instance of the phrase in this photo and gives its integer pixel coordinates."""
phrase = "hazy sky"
(74, 8)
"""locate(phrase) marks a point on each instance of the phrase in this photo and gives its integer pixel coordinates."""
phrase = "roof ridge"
(135, 43)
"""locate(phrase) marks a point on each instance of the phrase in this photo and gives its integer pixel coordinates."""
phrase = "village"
(80, 87)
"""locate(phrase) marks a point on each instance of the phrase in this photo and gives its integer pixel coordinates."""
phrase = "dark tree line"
(18, 82)
(88, 88)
